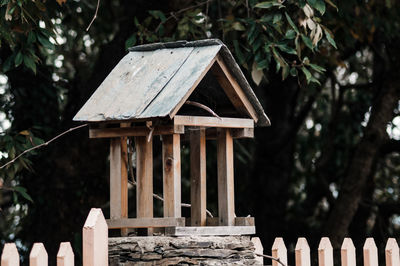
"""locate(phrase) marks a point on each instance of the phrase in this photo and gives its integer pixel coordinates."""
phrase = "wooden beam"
(144, 175)
(144, 222)
(171, 156)
(198, 198)
(239, 221)
(226, 192)
(118, 197)
(134, 131)
(232, 89)
(124, 178)
(206, 121)
(210, 230)
(237, 133)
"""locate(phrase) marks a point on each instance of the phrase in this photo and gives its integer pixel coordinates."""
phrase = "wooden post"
(171, 146)
(198, 198)
(370, 252)
(95, 239)
(279, 251)
(325, 252)
(65, 255)
(302, 252)
(10, 256)
(144, 175)
(38, 255)
(392, 253)
(226, 191)
(348, 253)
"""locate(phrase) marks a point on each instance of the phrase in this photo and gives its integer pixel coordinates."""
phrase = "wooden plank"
(370, 253)
(124, 178)
(302, 252)
(95, 239)
(144, 173)
(38, 255)
(198, 198)
(210, 230)
(115, 179)
(145, 222)
(171, 156)
(65, 255)
(236, 133)
(325, 252)
(239, 221)
(279, 251)
(207, 121)
(135, 131)
(226, 192)
(392, 253)
(258, 249)
(232, 89)
(10, 256)
(348, 253)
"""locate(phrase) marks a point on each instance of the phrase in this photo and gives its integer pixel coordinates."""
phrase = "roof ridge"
(176, 44)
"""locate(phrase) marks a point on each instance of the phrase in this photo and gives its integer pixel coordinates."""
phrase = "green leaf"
(238, 26)
(31, 37)
(277, 18)
(286, 49)
(307, 41)
(319, 5)
(291, 23)
(18, 59)
(285, 72)
(317, 68)
(332, 4)
(269, 4)
(22, 191)
(8, 64)
(290, 34)
(45, 42)
(131, 41)
(238, 52)
(30, 63)
(293, 72)
(307, 73)
(158, 14)
(329, 37)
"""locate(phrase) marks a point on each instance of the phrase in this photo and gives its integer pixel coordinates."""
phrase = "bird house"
(192, 91)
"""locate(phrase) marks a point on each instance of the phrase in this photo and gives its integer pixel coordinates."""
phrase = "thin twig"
(272, 258)
(95, 15)
(204, 107)
(43, 144)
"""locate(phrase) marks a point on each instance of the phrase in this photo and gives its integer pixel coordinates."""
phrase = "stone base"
(188, 250)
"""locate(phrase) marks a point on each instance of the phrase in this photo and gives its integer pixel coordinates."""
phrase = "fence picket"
(279, 251)
(10, 256)
(325, 252)
(370, 252)
(65, 255)
(302, 252)
(258, 249)
(38, 255)
(348, 253)
(95, 239)
(392, 253)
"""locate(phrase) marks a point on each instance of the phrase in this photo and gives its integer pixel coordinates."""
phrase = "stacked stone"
(193, 250)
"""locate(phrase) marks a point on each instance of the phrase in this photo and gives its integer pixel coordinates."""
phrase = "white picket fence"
(325, 253)
(94, 245)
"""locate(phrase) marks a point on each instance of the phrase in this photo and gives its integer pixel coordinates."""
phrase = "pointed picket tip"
(348, 253)
(95, 239)
(10, 256)
(370, 252)
(279, 251)
(302, 252)
(347, 244)
(38, 255)
(325, 252)
(392, 253)
(65, 255)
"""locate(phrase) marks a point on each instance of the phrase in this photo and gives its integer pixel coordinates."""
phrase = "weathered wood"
(10, 256)
(302, 252)
(210, 230)
(325, 252)
(370, 253)
(226, 192)
(233, 89)
(139, 131)
(348, 253)
(198, 198)
(239, 221)
(124, 178)
(38, 255)
(258, 249)
(279, 251)
(145, 222)
(65, 255)
(95, 239)
(171, 156)
(207, 121)
(392, 253)
(115, 179)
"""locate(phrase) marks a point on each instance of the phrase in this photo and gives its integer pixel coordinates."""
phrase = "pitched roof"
(152, 80)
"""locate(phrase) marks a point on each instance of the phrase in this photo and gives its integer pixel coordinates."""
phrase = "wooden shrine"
(182, 91)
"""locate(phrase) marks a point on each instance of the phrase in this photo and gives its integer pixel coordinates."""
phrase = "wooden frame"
(134, 131)
(207, 121)
(210, 230)
(145, 222)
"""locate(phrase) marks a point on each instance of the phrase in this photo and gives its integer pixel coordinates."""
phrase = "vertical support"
(144, 175)
(198, 198)
(95, 239)
(325, 252)
(10, 256)
(392, 253)
(302, 252)
(370, 253)
(279, 251)
(38, 255)
(65, 255)
(348, 253)
(171, 156)
(226, 191)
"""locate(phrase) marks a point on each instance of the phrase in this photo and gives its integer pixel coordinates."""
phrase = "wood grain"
(145, 222)
(207, 121)
(134, 131)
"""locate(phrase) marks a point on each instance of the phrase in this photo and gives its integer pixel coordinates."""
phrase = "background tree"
(326, 75)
